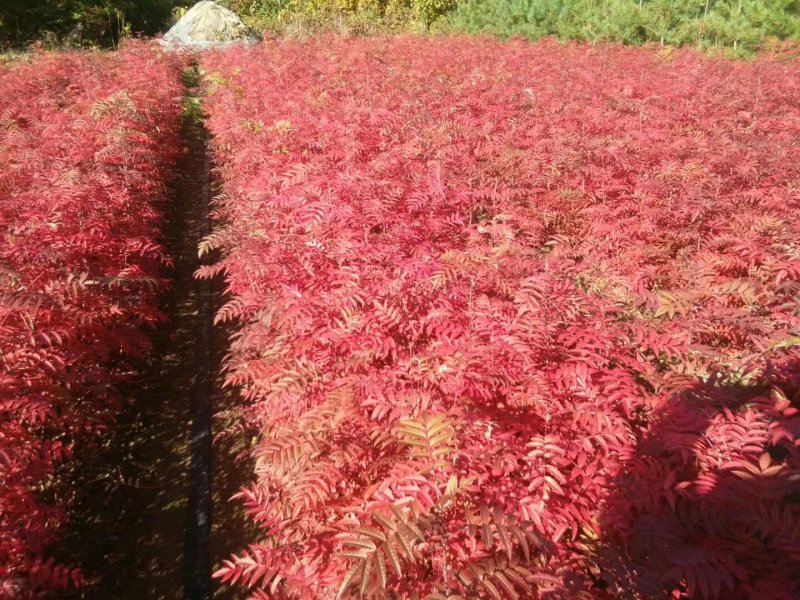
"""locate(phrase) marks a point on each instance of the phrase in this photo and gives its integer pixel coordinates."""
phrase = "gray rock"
(208, 25)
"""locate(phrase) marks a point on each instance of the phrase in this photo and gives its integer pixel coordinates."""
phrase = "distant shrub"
(360, 17)
(741, 25)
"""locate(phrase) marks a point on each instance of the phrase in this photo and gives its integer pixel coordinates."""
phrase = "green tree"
(82, 22)
(740, 25)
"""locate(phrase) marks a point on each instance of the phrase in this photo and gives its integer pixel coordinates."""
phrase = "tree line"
(737, 25)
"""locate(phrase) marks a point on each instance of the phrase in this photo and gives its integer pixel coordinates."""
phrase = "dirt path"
(150, 521)
(198, 533)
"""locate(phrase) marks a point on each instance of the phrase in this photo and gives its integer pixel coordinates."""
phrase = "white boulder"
(209, 25)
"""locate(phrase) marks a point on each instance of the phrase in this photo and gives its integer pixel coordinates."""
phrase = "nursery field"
(506, 320)
(87, 143)
(513, 320)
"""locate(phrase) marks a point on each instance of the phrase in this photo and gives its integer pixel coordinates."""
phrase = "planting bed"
(87, 145)
(513, 320)
(509, 320)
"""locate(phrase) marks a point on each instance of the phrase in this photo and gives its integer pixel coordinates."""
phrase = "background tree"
(739, 25)
(82, 22)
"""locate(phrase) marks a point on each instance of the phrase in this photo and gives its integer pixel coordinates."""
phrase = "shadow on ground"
(129, 526)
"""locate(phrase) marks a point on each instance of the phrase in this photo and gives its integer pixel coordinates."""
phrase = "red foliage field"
(514, 320)
(87, 143)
